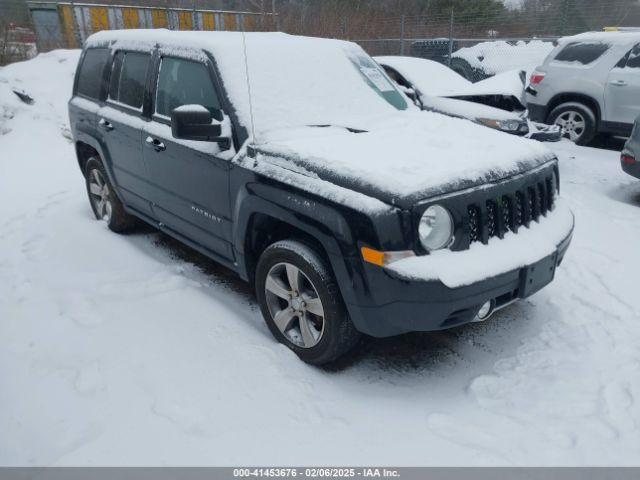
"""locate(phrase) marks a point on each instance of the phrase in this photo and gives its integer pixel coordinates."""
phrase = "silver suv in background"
(589, 84)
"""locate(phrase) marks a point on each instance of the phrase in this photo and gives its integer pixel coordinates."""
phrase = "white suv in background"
(590, 83)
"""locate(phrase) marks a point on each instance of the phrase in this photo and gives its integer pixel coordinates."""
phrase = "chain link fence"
(473, 58)
(476, 45)
(480, 46)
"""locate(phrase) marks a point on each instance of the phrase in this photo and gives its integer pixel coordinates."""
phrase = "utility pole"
(450, 38)
(402, 18)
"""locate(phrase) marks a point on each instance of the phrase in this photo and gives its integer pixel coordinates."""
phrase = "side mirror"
(195, 122)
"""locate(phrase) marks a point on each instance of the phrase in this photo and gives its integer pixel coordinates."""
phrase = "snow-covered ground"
(132, 350)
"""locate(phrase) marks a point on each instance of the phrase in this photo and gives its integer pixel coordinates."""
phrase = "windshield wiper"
(350, 129)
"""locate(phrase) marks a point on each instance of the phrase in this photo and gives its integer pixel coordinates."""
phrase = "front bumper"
(404, 304)
(544, 133)
(537, 113)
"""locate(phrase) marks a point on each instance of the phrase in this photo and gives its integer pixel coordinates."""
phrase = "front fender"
(337, 228)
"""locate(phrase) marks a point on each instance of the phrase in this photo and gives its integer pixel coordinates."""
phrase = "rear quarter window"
(581, 52)
(91, 71)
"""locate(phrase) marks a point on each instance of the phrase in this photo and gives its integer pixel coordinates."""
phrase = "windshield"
(289, 81)
(376, 78)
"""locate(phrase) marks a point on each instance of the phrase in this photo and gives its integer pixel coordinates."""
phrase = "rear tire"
(103, 200)
(301, 303)
(577, 120)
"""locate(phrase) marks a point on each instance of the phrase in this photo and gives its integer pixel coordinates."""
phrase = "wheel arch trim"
(294, 210)
(574, 97)
(103, 152)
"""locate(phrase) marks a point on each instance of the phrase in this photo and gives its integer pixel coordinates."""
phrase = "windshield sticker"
(376, 77)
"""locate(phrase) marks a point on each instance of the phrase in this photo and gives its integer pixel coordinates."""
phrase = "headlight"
(505, 125)
(436, 228)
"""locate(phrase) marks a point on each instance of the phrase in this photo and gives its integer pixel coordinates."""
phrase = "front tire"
(103, 200)
(301, 303)
(577, 121)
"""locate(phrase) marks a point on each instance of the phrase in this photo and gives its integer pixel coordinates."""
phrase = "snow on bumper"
(479, 262)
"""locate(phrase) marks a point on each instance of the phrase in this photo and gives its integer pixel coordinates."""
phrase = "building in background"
(68, 24)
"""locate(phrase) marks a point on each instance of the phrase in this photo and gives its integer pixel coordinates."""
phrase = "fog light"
(485, 310)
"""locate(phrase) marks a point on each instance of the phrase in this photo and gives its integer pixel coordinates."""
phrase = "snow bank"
(51, 96)
(529, 245)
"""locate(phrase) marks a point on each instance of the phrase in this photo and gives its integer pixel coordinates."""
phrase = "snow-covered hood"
(508, 84)
(465, 109)
(437, 80)
(405, 159)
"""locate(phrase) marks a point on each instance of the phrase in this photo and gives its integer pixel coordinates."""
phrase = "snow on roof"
(612, 38)
(293, 80)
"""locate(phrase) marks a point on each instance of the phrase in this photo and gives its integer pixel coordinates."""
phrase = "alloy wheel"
(100, 195)
(294, 305)
(573, 124)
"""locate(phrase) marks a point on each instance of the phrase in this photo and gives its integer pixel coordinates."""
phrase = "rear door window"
(634, 58)
(91, 71)
(128, 78)
(582, 52)
(184, 82)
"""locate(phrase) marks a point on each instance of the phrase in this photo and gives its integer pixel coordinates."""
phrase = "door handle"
(156, 144)
(105, 124)
(619, 83)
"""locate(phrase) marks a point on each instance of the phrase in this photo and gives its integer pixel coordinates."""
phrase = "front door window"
(183, 82)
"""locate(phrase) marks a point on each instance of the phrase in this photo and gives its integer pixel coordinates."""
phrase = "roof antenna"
(246, 67)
